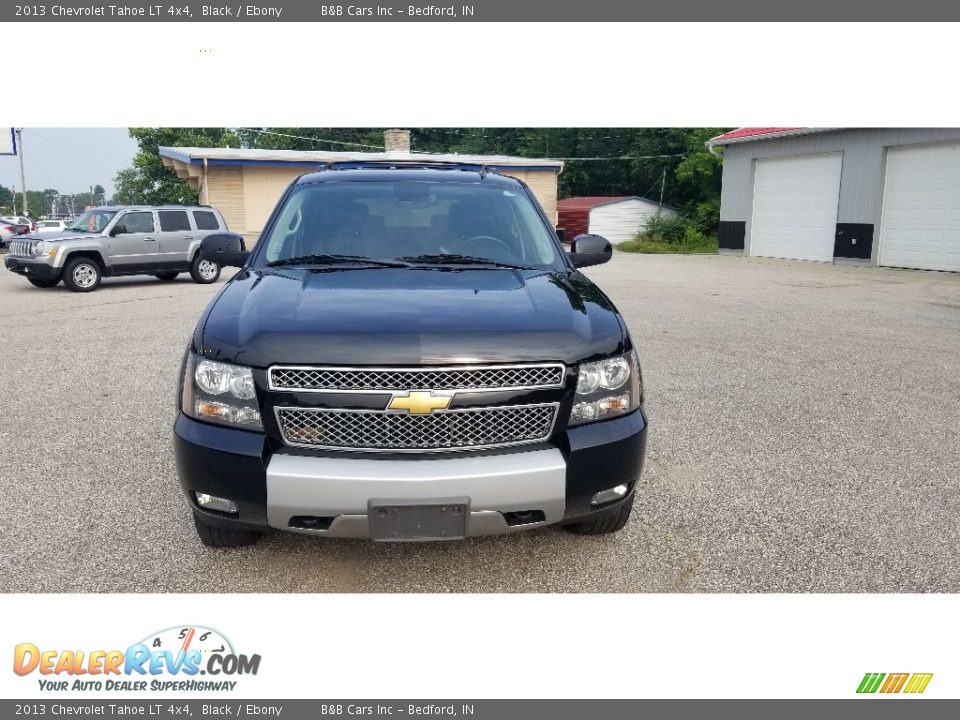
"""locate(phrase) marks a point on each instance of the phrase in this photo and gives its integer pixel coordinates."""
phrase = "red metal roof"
(585, 203)
(746, 132)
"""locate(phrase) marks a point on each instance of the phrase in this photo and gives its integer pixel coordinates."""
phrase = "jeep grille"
(21, 248)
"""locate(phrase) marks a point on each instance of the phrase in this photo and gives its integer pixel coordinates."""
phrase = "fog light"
(212, 502)
(605, 496)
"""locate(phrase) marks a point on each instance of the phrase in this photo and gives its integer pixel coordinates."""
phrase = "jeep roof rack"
(481, 168)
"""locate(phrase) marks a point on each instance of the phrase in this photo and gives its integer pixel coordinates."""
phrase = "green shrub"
(671, 234)
(670, 229)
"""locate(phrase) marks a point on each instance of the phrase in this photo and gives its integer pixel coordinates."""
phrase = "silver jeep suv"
(161, 240)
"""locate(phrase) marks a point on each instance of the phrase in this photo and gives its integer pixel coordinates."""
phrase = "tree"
(126, 190)
(149, 181)
(6, 198)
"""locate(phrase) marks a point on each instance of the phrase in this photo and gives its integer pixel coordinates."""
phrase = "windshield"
(93, 220)
(414, 222)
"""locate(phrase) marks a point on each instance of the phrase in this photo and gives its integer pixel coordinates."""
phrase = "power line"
(320, 140)
(78, 145)
(623, 157)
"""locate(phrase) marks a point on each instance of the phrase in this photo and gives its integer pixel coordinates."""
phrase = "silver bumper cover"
(342, 488)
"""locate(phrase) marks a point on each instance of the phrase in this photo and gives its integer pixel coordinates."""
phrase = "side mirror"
(587, 250)
(227, 249)
(118, 229)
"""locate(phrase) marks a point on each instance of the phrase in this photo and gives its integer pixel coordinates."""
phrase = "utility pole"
(23, 181)
(663, 185)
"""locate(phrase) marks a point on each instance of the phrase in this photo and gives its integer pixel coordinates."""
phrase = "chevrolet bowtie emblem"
(420, 402)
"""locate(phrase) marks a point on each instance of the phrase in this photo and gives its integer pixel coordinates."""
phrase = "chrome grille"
(489, 377)
(375, 430)
(22, 248)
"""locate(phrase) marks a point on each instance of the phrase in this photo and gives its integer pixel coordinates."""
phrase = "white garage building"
(615, 218)
(888, 195)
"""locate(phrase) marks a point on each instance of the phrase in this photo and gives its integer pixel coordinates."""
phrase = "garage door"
(795, 207)
(920, 227)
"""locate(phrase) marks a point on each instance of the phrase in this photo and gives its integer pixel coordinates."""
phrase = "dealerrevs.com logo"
(893, 683)
(176, 659)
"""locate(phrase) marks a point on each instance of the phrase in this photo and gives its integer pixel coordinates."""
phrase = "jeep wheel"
(82, 274)
(40, 283)
(213, 536)
(204, 271)
(166, 276)
(604, 522)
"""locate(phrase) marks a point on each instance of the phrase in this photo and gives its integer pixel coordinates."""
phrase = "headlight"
(39, 247)
(607, 389)
(220, 393)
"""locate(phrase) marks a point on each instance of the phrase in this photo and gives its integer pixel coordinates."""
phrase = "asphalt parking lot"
(805, 437)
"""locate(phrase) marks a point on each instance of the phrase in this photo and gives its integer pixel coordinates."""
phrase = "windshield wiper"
(455, 259)
(329, 259)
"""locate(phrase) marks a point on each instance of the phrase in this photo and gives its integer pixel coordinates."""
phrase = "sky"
(69, 159)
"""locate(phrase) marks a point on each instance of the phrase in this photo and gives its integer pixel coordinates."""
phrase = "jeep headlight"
(607, 389)
(221, 393)
(39, 247)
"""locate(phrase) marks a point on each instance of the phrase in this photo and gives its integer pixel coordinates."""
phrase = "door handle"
(188, 237)
(150, 239)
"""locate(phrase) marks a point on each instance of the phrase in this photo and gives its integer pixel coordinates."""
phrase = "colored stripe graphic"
(918, 683)
(894, 682)
(870, 682)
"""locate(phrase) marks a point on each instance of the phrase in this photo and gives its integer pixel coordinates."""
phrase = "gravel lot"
(805, 437)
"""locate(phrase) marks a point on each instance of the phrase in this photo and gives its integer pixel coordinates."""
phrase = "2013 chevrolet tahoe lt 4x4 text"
(408, 353)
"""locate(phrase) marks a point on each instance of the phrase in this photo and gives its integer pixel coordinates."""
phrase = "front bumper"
(508, 490)
(30, 268)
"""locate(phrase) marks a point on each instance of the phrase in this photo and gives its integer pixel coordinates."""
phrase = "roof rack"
(481, 168)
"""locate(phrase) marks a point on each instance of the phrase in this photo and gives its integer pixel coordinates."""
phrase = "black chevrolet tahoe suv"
(408, 353)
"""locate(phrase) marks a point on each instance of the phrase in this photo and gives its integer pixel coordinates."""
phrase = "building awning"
(750, 134)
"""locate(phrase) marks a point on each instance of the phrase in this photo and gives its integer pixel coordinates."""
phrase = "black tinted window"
(410, 220)
(174, 220)
(138, 222)
(205, 220)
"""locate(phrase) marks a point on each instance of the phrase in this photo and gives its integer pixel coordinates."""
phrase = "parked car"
(20, 228)
(7, 233)
(408, 353)
(163, 241)
(50, 226)
(24, 222)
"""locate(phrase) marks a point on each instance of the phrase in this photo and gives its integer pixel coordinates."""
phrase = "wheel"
(213, 536)
(166, 276)
(204, 271)
(608, 521)
(82, 274)
(37, 282)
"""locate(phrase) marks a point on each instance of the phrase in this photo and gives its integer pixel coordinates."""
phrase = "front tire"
(604, 522)
(221, 537)
(40, 283)
(82, 274)
(204, 271)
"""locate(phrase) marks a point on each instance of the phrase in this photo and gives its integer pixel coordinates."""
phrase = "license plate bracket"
(418, 520)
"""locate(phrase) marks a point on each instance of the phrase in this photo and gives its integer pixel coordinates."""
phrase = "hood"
(59, 236)
(408, 316)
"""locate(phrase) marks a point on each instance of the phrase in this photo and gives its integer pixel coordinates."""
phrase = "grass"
(643, 244)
